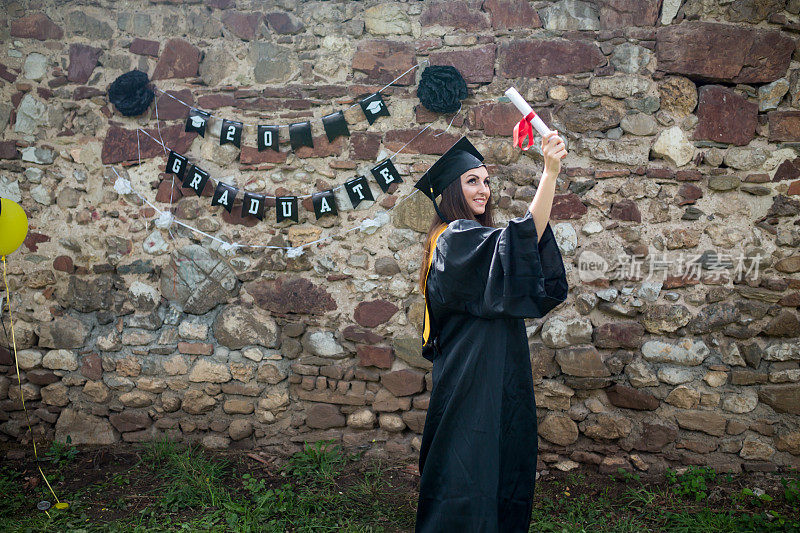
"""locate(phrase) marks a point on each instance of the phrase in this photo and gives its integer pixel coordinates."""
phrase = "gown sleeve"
(497, 272)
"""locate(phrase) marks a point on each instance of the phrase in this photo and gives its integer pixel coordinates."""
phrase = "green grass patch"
(164, 486)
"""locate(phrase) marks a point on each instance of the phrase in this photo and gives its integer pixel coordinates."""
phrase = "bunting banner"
(286, 207)
(197, 122)
(231, 133)
(224, 195)
(324, 203)
(268, 138)
(385, 174)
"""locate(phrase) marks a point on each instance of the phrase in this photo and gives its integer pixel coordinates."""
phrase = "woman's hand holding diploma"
(554, 151)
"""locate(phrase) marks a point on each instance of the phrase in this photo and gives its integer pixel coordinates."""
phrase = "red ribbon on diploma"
(523, 129)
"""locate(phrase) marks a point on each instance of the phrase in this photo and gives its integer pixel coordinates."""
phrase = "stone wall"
(682, 123)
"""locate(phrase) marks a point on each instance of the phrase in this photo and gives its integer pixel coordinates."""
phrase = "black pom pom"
(441, 89)
(131, 93)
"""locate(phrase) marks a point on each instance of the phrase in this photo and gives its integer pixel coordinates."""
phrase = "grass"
(163, 486)
(696, 500)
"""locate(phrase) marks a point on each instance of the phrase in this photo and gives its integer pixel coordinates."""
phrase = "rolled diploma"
(525, 109)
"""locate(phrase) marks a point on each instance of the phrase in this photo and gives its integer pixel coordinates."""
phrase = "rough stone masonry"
(683, 127)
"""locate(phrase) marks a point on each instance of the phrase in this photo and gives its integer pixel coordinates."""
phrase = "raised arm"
(554, 150)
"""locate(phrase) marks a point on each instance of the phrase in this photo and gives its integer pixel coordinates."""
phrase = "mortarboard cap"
(462, 156)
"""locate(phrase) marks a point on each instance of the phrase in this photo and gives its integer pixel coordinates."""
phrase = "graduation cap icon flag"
(197, 122)
(373, 107)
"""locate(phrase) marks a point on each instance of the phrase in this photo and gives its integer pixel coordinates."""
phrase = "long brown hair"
(454, 206)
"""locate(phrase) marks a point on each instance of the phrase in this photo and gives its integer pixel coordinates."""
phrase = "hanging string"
(440, 133)
(139, 151)
(425, 61)
(158, 124)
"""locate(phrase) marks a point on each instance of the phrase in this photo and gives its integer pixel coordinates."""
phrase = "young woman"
(479, 445)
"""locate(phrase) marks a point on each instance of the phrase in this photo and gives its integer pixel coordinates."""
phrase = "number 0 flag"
(268, 138)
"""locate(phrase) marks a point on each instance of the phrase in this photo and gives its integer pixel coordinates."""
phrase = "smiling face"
(475, 186)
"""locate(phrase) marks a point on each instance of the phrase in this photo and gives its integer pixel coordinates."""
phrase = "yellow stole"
(427, 328)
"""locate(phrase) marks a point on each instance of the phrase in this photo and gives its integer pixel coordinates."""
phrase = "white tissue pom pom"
(292, 253)
(227, 249)
(371, 225)
(164, 220)
(123, 186)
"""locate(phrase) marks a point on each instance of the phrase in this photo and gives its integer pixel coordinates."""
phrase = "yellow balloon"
(13, 226)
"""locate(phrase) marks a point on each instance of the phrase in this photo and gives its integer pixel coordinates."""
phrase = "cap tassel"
(436, 207)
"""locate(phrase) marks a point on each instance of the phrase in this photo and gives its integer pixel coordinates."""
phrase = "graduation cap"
(462, 156)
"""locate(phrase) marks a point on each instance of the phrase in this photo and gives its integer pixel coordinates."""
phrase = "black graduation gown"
(479, 443)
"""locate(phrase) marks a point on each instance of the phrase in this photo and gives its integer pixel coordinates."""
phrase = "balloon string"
(19, 383)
